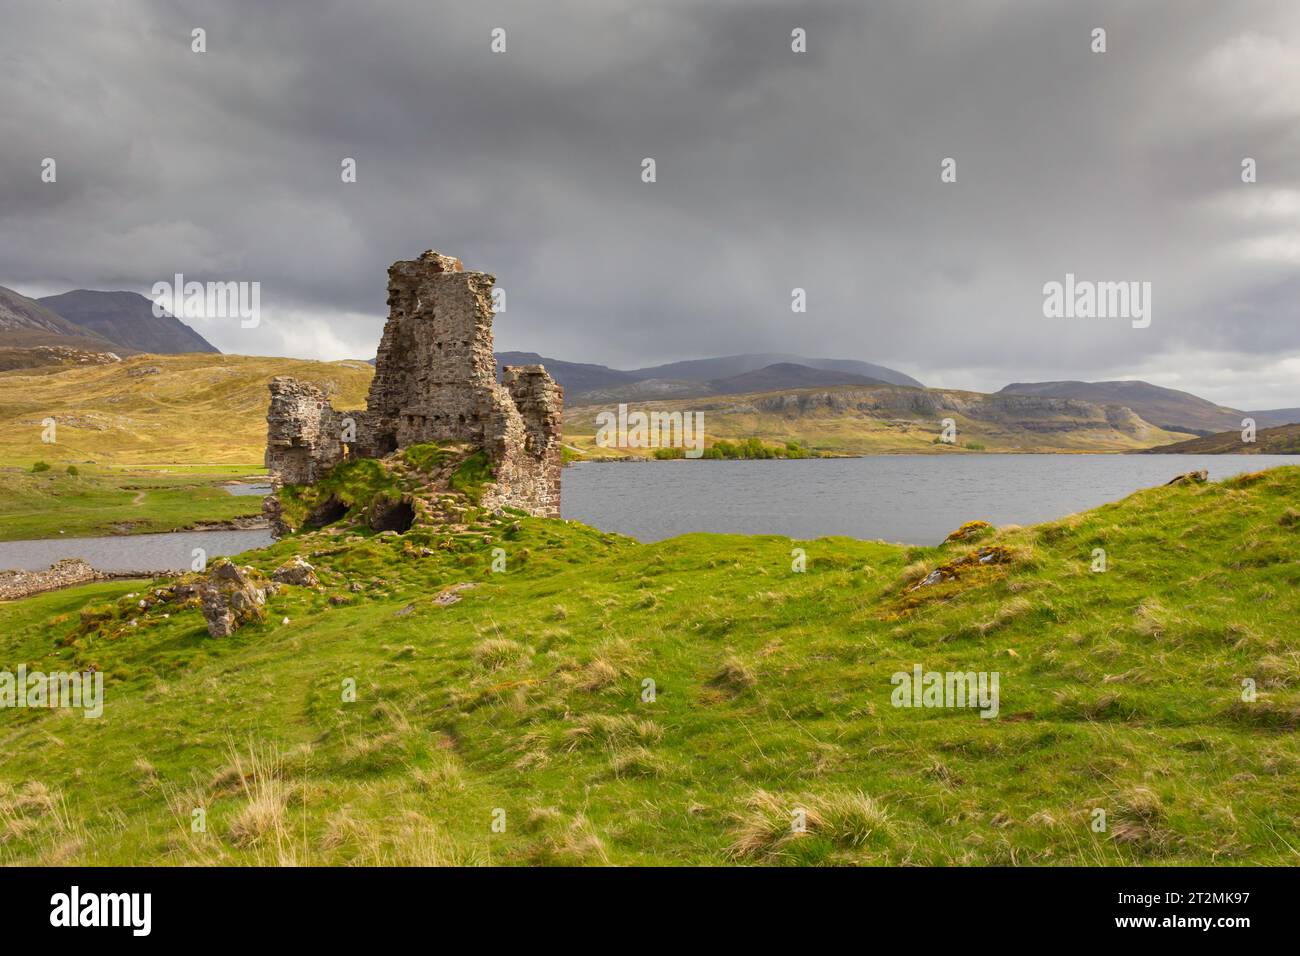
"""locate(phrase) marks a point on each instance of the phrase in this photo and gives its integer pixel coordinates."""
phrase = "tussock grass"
(498, 652)
(734, 675)
(261, 818)
(615, 730)
(772, 823)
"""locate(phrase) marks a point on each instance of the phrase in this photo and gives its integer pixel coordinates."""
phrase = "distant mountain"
(1167, 408)
(588, 383)
(729, 366)
(784, 375)
(25, 323)
(127, 318)
(1283, 440)
(1276, 416)
(646, 390)
(573, 377)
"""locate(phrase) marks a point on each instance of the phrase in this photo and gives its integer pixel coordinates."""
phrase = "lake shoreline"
(912, 499)
(869, 498)
(960, 452)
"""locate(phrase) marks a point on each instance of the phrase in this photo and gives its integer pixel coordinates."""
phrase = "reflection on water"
(242, 489)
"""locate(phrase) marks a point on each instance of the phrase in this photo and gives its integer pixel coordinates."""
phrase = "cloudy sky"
(775, 170)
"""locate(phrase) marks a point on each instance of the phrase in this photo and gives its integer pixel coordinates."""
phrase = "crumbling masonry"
(435, 381)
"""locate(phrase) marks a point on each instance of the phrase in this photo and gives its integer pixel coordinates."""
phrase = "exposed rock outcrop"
(231, 597)
(1030, 412)
(297, 572)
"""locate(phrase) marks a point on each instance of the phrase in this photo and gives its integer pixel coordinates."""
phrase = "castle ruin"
(435, 381)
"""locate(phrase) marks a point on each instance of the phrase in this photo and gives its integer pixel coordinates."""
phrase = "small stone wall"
(62, 574)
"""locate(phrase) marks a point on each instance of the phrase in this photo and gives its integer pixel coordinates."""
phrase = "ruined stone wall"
(435, 380)
(65, 573)
(435, 375)
(533, 466)
(303, 433)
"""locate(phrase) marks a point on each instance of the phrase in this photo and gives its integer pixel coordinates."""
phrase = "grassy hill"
(211, 409)
(157, 409)
(887, 419)
(526, 695)
(1283, 440)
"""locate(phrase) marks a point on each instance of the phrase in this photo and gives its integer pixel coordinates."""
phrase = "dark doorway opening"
(331, 511)
(395, 516)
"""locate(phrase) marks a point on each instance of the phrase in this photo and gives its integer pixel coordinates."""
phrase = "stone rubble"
(64, 573)
(297, 572)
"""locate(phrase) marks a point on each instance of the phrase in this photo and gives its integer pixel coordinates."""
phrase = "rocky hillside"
(887, 418)
(1165, 407)
(25, 323)
(52, 356)
(1283, 440)
(127, 319)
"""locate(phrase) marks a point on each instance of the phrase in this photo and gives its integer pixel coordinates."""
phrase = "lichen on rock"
(296, 571)
(231, 597)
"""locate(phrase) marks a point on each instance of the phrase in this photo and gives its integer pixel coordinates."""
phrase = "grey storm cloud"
(776, 170)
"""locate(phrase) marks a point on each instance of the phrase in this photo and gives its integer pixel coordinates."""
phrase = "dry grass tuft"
(735, 675)
(769, 824)
(266, 796)
(611, 730)
(443, 776)
(498, 652)
(1152, 618)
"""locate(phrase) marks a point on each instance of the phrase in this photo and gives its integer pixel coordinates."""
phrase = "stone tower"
(435, 381)
(435, 373)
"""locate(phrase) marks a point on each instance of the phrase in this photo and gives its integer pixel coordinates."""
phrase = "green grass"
(45, 504)
(358, 483)
(1120, 691)
(352, 484)
(474, 472)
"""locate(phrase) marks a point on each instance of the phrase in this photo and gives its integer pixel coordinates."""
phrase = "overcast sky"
(775, 170)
